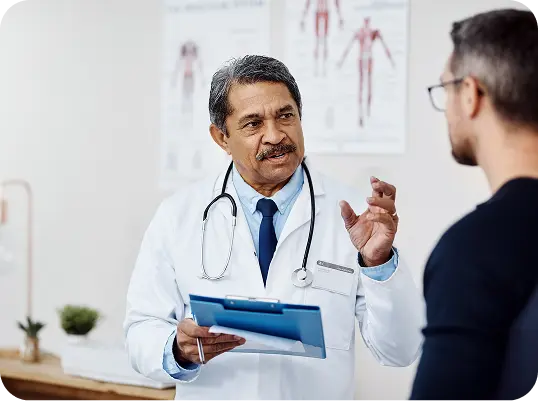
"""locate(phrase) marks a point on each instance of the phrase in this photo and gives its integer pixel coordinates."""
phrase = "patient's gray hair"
(246, 70)
(500, 49)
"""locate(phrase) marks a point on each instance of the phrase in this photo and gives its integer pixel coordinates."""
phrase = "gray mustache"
(276, 150)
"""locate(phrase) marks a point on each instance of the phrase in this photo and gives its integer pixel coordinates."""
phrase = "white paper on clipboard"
(261, 342)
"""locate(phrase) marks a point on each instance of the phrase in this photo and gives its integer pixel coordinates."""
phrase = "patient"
(481, 281)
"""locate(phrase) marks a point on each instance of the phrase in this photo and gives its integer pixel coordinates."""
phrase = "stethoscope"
(300, 277)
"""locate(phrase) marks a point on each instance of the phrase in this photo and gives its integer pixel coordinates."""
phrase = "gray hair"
(246, 70)
(500, 49)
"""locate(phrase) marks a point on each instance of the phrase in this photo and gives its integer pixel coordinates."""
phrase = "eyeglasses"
(438, 93)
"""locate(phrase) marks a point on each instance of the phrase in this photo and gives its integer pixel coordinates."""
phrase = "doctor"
(255, 111)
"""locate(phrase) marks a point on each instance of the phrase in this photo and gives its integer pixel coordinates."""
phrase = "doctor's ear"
(219, 137)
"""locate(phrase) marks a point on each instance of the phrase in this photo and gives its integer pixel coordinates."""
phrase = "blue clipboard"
(265, 316)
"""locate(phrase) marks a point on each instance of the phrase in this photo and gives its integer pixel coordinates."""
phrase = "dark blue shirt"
(481, 292)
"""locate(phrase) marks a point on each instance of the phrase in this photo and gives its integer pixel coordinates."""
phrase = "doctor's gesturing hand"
(373, 231)
(214, 344)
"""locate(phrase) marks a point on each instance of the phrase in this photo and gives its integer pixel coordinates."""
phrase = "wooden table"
(45, 380)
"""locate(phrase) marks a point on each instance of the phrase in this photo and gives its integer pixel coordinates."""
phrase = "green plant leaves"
(78, 320)
(32, 329)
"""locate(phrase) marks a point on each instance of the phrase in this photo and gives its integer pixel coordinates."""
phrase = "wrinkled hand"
(373, 232)
(213, 344)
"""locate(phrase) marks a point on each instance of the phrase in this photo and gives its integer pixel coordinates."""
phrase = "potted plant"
(30, 350)
(78, 321)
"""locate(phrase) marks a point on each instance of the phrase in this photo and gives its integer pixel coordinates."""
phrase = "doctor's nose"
(272, 135)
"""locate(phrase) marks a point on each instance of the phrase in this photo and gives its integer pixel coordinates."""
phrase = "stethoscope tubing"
(224, 195)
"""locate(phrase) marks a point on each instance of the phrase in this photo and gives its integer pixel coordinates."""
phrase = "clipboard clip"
(254, 299)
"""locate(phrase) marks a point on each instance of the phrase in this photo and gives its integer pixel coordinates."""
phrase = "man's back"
(481, 289)
(520, 369)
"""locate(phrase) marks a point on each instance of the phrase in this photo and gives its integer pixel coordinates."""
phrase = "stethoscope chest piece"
(302, 277)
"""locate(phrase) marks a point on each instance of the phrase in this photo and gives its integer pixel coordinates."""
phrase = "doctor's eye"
(286, 115)
(252, 124)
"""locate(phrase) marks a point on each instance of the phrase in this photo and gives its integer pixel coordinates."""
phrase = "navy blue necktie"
(267, 243)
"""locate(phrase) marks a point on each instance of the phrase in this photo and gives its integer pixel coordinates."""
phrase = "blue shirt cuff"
(185, 371)
(382, 272)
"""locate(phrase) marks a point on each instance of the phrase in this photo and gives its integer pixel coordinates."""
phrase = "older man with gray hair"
(255, 108)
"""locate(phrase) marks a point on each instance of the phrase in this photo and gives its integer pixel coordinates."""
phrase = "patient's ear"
(219, 137)
(470, 97)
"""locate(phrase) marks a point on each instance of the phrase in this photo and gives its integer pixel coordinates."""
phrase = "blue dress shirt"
(284, 199)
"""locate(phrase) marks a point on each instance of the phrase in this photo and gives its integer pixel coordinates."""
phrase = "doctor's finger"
(190, 352)
(191, 329)
(374, 192)
(385, 204)
(223, 338)
(348, 215)
(221, 347)
(383, 218)
(385, 188)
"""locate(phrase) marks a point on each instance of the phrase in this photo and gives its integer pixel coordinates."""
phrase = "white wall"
(79, 119)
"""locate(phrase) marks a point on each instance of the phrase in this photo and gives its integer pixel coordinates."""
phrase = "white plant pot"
(74, 339)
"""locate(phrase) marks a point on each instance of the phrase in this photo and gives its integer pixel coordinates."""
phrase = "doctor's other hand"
(213, 344)
(373, 231)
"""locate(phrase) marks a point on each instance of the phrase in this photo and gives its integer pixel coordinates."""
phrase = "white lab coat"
(389, 313)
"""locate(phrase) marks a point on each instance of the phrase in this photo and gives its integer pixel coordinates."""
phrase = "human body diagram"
(366, 36)
(321, 20)
(188, 58)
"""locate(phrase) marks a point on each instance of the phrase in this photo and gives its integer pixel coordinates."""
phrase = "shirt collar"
(249, 197)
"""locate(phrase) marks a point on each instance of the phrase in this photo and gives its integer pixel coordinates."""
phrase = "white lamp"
(6, 256)
(7, 259)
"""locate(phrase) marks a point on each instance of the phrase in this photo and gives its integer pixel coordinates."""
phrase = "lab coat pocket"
(336, 300)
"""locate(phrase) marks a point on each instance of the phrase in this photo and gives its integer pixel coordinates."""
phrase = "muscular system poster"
(350, 60)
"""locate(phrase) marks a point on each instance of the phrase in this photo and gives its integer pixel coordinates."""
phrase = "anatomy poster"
(199, 36)
(350, 61)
